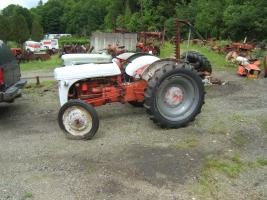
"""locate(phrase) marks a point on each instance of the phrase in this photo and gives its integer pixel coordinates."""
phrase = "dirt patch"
(160, 166)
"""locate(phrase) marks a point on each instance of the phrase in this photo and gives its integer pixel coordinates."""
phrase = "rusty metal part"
(177, 40)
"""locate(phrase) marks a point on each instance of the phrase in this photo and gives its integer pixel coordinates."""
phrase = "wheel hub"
(174, 96)
(77, 121)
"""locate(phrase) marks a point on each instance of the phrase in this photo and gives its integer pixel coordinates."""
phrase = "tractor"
(171, 90)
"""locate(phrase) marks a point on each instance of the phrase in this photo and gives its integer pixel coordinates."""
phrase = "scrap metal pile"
(242, 55)
(23, 55)
(247, 56)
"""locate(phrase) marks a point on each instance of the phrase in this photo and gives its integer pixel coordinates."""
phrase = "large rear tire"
(78, 120)
(174, 96)
(199, 61)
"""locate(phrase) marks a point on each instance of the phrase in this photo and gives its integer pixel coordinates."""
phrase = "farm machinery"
(171, 90)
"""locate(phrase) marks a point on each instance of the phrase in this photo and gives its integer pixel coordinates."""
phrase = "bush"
(73, 40)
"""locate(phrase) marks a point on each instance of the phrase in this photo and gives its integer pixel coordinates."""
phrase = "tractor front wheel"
(78, 120)
(174, 96)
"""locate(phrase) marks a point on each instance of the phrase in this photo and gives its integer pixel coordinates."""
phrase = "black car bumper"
(12, 92)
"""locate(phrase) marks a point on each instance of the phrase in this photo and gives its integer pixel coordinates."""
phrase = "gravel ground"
(130, 157)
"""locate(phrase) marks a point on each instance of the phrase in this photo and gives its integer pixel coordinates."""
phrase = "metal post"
(177, 40)
(37, 81)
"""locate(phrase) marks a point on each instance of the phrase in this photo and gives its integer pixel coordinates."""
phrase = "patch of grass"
(52, 63)
(230, 167)
(167, 50)
(208, 185)
(264, 126)
(187, 143)
(27, 195)
(237, 118)
(47, 83)
(218, 127)
(262, 162)
(43, 87)
(240, 139)
(217, 60)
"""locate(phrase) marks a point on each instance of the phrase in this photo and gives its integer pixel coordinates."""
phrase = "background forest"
(223, 19)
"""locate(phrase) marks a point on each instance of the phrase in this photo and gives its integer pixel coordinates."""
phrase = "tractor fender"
(64, 88)
(151, 69)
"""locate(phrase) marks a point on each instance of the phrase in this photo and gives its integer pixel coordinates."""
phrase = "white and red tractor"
(171, 90)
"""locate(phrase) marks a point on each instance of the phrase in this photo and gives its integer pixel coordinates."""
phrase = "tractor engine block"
(97, 91)
(100, 91)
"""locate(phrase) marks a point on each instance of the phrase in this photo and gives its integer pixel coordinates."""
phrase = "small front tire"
(78, 120)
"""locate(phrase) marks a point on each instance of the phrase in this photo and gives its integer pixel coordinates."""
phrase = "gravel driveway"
(222, 155)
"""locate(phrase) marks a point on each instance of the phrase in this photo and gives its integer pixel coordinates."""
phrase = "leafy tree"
(5, 28)
(51, 13)
(15, 10)
(246, 20)
(114, 10)
(37, 30)
(19, 30)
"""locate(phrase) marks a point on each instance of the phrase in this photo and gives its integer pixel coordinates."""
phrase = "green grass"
(27, 195)
(239, 139)
(52, 63)
(46, 83)
(217, 60)
(187, 143)
(33, 88)
(237, 118)
(230, 167)
(208, 183)
(264, 126)
(167, 50)
(262, 162)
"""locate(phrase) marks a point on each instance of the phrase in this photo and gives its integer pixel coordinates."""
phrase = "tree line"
(223, 19)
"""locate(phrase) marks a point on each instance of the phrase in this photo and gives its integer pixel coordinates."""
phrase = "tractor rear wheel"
(199, 61)
(174, 96)
(78, 120)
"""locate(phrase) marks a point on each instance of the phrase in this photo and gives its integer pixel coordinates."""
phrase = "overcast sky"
(24, 3)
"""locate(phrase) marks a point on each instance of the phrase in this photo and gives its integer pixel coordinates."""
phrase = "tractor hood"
(77, 59)
(86, 71)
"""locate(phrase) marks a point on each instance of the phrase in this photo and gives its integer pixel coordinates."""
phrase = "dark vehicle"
(10, 82)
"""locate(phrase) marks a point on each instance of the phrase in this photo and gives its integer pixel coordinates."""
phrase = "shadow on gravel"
(160, 166)
(8, 110)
